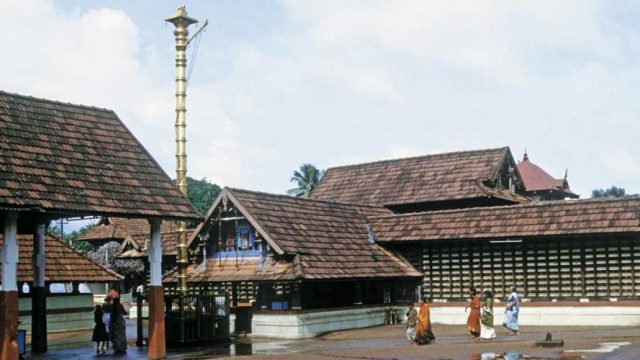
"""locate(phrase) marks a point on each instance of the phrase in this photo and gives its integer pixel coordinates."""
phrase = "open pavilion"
(61, 160)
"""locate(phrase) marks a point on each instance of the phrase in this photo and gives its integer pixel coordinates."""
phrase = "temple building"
(375, 235)
(303, 267)
(539, 185)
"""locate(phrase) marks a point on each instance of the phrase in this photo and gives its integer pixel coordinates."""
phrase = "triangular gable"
(127, 244)
(223, 198)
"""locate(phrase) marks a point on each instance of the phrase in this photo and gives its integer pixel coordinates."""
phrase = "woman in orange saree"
(424, 335)
(473, 322)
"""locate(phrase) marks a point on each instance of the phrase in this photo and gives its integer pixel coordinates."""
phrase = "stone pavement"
(387, 342)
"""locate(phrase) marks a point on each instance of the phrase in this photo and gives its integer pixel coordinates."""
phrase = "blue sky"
(280, 83)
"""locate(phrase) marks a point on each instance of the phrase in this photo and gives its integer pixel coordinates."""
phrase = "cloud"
(620, 162)
(342, 82)
(93, 57)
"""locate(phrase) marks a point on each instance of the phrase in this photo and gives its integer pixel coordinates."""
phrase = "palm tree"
(307, 178)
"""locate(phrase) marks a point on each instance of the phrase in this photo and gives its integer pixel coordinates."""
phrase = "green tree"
(70, 239)
(202, 193)
(306, 179)
(613, 191)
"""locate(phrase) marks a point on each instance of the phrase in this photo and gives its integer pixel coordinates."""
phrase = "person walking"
(511, 312)
(412, 321)
(107, 306)
(424, 335)
(100, 335)
(118, 327)
(487, 331)
(473, 321)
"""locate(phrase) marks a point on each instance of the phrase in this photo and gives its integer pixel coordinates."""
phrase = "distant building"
(66, 269)
(432, 182)
(539, 185)
(133, 237)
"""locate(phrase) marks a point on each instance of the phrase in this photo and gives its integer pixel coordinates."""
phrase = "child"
(100, 334)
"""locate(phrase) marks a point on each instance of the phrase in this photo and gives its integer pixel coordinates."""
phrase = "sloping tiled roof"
(329, 240)
(571, 217)
(79, 160)
(118, 229)
(62, 263)
(439, 177)
(535, 178)
(245, 269)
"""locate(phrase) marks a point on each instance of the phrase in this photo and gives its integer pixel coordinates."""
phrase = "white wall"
(78, 320)
(309, 324)
(549, 315)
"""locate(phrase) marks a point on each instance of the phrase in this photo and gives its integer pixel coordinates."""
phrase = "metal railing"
(205, 319)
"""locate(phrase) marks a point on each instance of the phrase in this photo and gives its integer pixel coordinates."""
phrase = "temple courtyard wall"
(64, 313)
(308, 324)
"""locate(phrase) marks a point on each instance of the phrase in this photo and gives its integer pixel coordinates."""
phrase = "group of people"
(419, 323)
(479, 323)
(110, 326)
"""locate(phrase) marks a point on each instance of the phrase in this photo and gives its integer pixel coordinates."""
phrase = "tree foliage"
(106, 255)
(70, 239)
(202, 193)
(306, 179)
(613, 191)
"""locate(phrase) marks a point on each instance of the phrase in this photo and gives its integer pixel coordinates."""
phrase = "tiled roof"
(571, 217)
(168, 239)
(79, 160)
(439, 177)
(62, 263)
(118, 229)
(245, 269)
(329, 240)
(536, 179)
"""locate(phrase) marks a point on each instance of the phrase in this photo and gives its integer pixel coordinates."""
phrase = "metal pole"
(181, 22)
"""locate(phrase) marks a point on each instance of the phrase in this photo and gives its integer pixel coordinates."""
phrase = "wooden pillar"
(139, 325)
(295, 296)
(75, 288)
(234, 295)
(9, 293)
(38, 294)
(357, 293)
(157, 346)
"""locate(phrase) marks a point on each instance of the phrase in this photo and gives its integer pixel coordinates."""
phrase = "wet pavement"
(387, 342)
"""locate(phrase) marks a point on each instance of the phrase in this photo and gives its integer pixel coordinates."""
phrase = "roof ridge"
(59, 102)
(418, 157)
(522, 205)
(306, 199)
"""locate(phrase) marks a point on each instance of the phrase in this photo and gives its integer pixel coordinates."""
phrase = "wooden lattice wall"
(543, 269)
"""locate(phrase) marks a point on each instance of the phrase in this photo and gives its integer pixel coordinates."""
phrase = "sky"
(276, 84)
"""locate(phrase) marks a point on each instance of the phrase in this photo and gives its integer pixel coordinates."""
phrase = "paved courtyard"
(387, 342)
